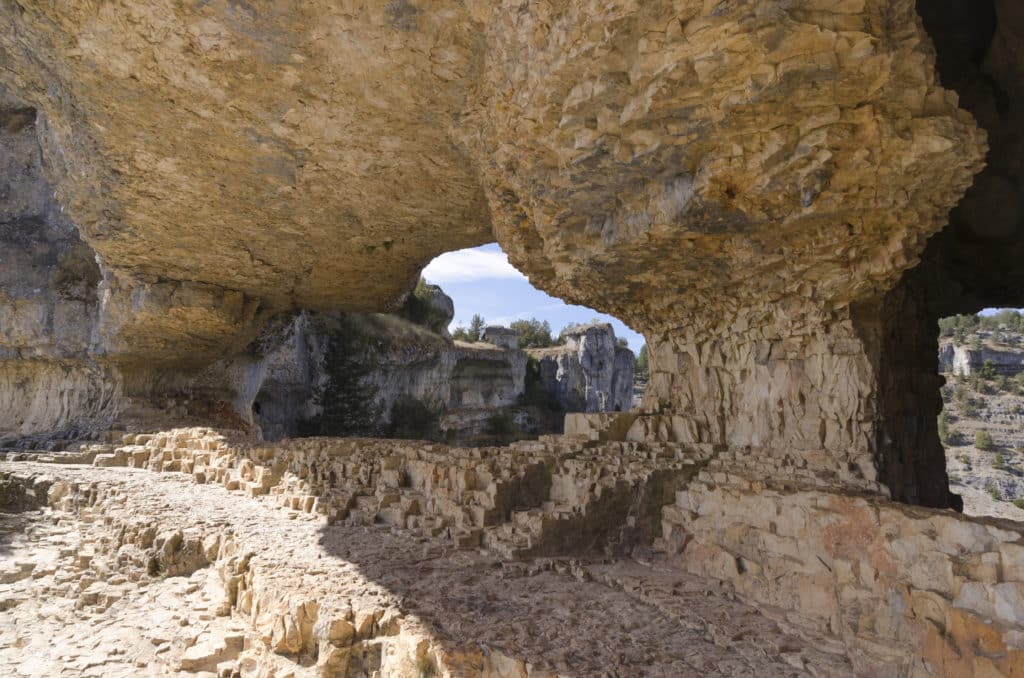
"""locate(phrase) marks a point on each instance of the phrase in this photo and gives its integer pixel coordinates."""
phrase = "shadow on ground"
(574, 617)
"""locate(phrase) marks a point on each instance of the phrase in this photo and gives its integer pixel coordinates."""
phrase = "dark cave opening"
(975, 262)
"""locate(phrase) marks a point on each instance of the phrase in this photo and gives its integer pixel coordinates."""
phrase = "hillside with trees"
(982, 422)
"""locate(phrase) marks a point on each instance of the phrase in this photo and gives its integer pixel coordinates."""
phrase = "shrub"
(993, 491)
(982, 440)
(985, 387)
(414, 419)
(998, 462)
(988, 370)
(1019, 503)
(642, 367)
(533, 333)
(965, 402)
(501, 424)
(943, 427)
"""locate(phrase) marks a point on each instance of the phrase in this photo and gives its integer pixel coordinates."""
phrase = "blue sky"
(480, 280)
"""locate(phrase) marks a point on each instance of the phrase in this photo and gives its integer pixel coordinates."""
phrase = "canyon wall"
(590, 372)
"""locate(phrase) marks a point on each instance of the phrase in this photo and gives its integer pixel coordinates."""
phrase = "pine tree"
(476, 326)
(347, 402)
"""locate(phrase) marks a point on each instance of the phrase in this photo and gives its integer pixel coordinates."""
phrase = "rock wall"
(908, 593)
(967, 361)
(274, 384)
(590, 372)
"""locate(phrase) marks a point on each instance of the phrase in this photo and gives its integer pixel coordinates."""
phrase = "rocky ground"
(133, 573)
(989, 480)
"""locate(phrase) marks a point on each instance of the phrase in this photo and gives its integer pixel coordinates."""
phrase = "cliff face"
(589, 373)
(274, 383)
(967, 360)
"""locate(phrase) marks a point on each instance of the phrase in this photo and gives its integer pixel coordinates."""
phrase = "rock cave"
(783, 197)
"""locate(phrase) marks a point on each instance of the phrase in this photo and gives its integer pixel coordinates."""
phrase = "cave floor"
(79, 599)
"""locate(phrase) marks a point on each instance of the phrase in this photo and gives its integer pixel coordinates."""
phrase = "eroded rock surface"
(344, 599)
(696, 170)
(590, 372)
(758, 187)
(400, 554)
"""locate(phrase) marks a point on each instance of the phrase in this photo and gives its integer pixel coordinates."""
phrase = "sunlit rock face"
(743, 182)
(590, 372)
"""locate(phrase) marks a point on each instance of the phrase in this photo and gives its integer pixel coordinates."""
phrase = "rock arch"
(752, 187)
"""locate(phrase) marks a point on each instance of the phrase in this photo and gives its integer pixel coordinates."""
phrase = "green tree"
(476, 326)
(347, 402)
(533, 333)
(473, 332)
(642, 368)
(988, 370)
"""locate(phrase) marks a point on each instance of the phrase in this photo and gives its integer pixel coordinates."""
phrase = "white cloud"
(469, 266)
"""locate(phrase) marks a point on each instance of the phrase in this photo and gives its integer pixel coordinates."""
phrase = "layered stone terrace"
(133, 573)
(890, 590)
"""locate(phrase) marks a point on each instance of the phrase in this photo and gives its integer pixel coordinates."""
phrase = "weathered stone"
(590, 372)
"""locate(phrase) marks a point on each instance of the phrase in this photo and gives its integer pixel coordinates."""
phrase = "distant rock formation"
(466, 383)
(965, 360)
(589, 373)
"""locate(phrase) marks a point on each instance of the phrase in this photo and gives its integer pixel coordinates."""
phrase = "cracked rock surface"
(80, 600)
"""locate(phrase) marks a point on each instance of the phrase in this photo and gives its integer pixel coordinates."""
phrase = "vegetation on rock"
(346, 399)
(417, 307)
(414, 419)
(473, 332)
(983, 440)
(642, 369)
(535, 333)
